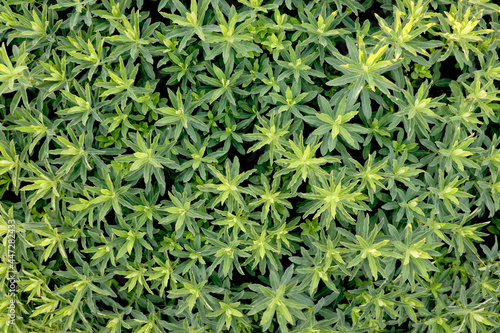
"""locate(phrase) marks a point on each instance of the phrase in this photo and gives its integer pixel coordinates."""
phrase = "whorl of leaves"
(251, 166)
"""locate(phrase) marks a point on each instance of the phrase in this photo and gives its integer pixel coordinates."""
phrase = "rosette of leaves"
(249, 166)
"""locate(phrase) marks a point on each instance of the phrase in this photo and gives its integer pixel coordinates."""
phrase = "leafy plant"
(249, 166)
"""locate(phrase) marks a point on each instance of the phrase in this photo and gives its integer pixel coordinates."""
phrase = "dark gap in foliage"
(65, 13)
(249, 160)
(357, 154)
(369, 14)
(102, 306)
(307, 130)
(10, 197)
(234, 3)
(436, 91)
(449, 70)
(116, 285)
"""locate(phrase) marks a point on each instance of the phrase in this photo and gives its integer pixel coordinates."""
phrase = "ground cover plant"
(249, 166)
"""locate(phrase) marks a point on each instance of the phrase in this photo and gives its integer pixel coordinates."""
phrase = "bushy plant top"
(251, 166)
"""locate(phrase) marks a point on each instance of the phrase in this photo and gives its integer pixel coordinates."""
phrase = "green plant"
(249, 166)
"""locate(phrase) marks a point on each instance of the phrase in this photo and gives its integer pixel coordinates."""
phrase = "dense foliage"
(252, 166)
